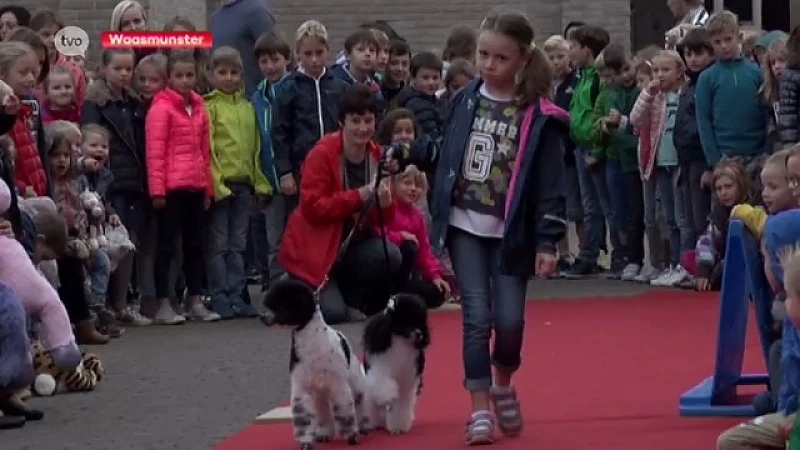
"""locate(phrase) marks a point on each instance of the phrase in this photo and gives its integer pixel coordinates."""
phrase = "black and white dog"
(394, 360)
(327, 379)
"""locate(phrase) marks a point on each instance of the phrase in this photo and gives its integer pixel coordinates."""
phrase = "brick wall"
(423, 22)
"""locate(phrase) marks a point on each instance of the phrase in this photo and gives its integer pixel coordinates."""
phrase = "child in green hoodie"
(237, 176)
(586, 44)
(622, 168)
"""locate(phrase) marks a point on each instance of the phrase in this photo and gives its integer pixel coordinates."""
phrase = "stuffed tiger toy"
(81, 379)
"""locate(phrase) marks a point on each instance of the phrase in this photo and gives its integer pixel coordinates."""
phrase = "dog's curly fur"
(327, 379)
(394, 359)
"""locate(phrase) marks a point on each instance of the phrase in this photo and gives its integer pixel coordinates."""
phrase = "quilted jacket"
(178, 145)
(789, 107)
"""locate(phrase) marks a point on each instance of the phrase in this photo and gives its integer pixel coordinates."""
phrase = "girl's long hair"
(535, 79)
(10, 52)
(769, 90)
(738, 174)
(386, 128)
(200, 56)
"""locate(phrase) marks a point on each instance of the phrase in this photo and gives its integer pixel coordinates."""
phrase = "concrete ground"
(189, 387)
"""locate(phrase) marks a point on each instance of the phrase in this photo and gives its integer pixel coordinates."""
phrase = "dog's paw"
(352, 440)
(398, 430)
(323, 434)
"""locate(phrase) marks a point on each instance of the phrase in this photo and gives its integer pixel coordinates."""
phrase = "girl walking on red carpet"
(503, 213)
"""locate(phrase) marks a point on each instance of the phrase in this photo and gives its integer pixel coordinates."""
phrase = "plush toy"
(96, 213)
(50, 379)
(119, 245)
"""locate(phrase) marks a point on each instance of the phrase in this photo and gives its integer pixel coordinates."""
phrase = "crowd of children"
(660, 149)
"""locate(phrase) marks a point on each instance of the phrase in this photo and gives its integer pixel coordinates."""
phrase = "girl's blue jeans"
(490, 301)
(665, 180)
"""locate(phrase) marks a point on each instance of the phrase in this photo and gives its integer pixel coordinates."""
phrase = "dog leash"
(371, 201)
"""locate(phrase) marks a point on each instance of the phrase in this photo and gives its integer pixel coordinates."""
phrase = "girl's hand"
(384, 195)
(288, 186)
(11, 105)
(90, 164)
(30, 192)
(545, 265)
(409, 237)
(443, 286)
(6, 229)
(702, 284)
(114, 221)
(159, 202)
(707, 180)
(653, 87)
(206, 203)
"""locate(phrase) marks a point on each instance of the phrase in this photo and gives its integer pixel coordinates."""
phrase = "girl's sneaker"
(480, 429)
(198, 311)
(507, 410)
(167, 316)
(665, 278)
(630, 272)
(678, 276)
(647, 275)
(131, 316)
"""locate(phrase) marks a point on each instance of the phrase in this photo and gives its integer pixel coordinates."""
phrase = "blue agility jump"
(743, 282)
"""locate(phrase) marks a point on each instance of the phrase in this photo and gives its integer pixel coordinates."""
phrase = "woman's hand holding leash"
(384, 194)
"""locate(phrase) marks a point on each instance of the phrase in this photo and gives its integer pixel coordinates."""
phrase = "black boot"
(14, 407)
(11, 422)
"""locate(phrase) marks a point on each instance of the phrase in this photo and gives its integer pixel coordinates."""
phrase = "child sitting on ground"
(67, 196)
(731, 187)
(419, 270)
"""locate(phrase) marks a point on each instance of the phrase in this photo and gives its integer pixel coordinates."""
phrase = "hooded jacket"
(235, 144)
(178, 145)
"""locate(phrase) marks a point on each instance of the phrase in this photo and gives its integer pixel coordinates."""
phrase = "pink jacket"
(37, 295)
(409, 219)
(649, 116)
(178, 145)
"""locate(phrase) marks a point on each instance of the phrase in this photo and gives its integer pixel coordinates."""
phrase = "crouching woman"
(337, 180)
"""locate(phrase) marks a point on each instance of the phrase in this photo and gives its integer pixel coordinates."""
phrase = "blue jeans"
(596, 207)
(665, 180)
(489, 300)
(268, 238)
(228, 223)
(99, 274)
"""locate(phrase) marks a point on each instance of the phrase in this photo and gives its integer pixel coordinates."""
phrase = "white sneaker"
(167, 316)
(630, 272)
(198, 311)
(664, 278)
(678, 276)
(130, 315)
(647, 274)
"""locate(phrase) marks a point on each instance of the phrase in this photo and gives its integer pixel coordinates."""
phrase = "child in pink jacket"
(179, 180)
(419, 272)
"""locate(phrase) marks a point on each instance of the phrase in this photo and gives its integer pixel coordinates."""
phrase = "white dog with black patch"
(327, 379)
(394, 360)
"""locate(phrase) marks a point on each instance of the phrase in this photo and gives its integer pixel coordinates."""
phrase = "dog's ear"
(291, 291)
(378, 333)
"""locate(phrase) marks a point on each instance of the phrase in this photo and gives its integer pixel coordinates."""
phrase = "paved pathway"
(189, 387)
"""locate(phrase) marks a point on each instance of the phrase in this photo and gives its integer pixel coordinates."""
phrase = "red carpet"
(600, 374)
